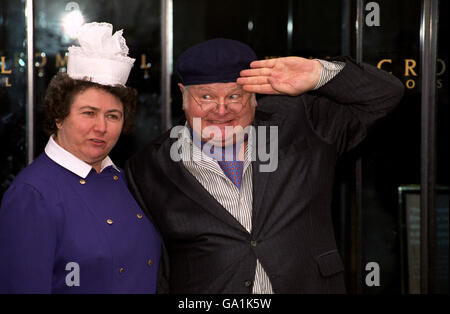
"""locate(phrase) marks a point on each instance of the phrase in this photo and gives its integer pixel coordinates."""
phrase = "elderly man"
(229, 224)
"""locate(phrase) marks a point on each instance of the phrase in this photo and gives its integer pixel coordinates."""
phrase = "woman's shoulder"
(36, 188)
(41, 173)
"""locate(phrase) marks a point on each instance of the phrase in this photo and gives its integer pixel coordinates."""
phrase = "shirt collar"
(67, 160)
(191, 152)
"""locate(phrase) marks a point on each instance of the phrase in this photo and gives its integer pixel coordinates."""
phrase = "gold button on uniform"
(121, 270)
(150, 262)
(139, 216)
(109, 221)
(82, 181)
(116, 178)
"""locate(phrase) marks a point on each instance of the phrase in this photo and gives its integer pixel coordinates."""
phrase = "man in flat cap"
(248, 211)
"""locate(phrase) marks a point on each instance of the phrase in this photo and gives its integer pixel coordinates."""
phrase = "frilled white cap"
(102, 57)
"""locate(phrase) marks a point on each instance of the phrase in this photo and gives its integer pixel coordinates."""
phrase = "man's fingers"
(260, 89)
(269, 63)
(253, 80)
(256, 72)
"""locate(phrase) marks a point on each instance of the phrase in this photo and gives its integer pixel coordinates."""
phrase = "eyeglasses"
(235, 105)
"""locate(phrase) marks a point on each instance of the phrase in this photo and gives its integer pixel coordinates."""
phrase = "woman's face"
(92, 127)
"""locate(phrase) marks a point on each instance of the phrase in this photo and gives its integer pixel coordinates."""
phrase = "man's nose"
(222, 108)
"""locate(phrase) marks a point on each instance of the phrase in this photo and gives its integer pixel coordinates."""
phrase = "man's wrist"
(329, 71)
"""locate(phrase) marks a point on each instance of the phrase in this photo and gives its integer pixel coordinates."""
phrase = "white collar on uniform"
(67, 160)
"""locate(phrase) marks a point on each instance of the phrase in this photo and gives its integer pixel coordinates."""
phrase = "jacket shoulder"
(149, 151)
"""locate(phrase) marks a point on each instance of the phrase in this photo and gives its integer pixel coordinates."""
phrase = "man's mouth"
(219, 122)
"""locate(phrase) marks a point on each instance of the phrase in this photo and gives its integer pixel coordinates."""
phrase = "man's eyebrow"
(206, 89)
(209, 89)
(236, 89)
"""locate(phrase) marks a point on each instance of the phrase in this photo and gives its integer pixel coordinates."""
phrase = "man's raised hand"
(289, 75)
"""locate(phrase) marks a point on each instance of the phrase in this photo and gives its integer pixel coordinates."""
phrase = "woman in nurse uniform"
(68, 223)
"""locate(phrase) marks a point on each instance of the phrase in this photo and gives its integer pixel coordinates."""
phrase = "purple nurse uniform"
(60, 233)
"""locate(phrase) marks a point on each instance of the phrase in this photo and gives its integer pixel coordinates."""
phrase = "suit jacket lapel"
(260, 179)
(188, 184)
(288, 144)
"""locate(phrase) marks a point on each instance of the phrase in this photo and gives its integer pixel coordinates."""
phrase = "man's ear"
(181, 86)
(254, 102)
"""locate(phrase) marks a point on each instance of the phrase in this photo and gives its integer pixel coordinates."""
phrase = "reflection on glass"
(442, 152)
(72, 22)
(13, 82)
(391, 153)
(409, 214)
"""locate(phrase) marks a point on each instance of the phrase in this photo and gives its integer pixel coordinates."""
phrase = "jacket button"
(150, 262)
(116, 178)
(253, 243)
(139, 216)
(82, 181)
(121, 270)
(248, 283)
(109, 221)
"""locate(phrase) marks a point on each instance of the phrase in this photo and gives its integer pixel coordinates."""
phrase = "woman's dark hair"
(61, 93)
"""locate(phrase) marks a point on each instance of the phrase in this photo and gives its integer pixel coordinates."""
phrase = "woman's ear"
(58, 123)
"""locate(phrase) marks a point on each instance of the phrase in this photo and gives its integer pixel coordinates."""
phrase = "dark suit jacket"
(208, 251)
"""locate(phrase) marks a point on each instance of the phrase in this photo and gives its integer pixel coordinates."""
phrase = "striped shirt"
(238, 202)
(329, 70)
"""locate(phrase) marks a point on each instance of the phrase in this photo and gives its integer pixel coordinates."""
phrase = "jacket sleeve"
(27, 241)
(342, 111)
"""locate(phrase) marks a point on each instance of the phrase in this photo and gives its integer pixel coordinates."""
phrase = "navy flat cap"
(217, 60)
